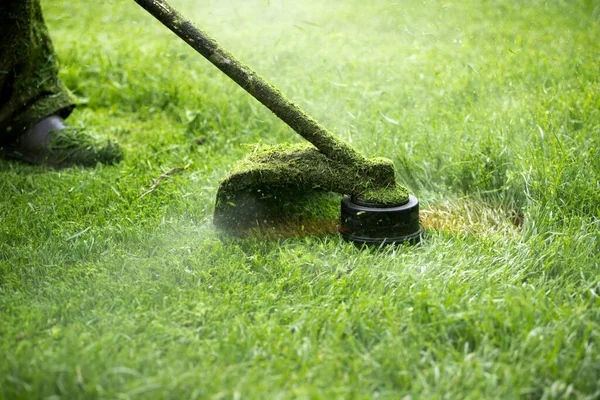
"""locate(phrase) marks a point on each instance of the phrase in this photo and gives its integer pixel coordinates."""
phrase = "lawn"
(111, 287)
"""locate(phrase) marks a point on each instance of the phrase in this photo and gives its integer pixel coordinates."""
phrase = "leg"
(33, 100)
(29, 86)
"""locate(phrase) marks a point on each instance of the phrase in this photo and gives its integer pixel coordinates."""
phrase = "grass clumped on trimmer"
(261, 184)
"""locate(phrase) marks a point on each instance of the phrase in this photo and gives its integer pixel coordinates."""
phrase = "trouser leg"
(30, 89)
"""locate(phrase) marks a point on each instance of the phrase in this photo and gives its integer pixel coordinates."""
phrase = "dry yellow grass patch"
(472, 217)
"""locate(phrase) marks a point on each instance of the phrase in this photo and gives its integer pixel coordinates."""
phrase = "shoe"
(51, 142)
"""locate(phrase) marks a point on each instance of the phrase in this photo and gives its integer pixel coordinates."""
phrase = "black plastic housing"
(376, 224)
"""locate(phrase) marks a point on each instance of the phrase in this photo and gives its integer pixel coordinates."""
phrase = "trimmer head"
(288, 187)
(376, 224)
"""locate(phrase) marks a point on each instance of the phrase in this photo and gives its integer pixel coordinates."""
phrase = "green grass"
(488, 109)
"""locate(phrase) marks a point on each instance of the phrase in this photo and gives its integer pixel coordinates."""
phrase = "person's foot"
(51, 142)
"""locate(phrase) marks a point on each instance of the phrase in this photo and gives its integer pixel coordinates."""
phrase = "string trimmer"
(375, 208)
